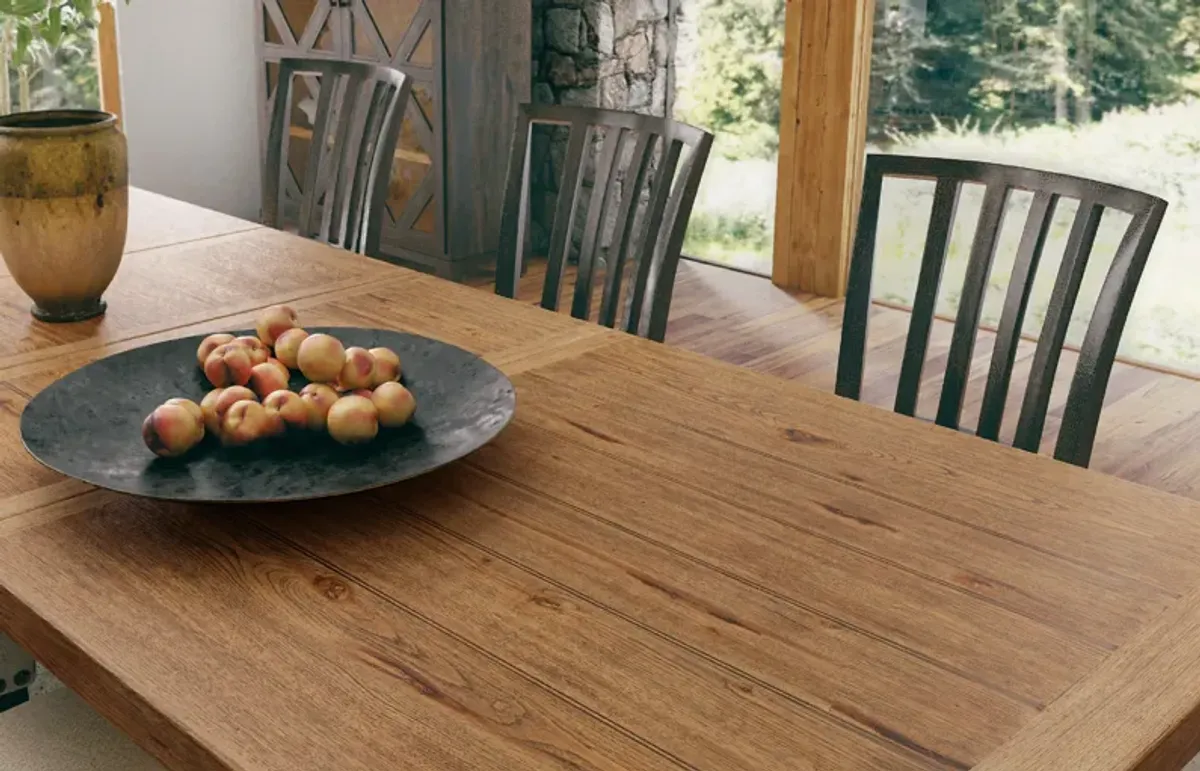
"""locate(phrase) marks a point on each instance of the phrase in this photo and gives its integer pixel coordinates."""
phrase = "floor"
(1149, 432)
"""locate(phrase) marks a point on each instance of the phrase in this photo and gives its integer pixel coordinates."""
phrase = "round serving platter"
(87, 425)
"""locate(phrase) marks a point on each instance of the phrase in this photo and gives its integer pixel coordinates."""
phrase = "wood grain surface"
(665, 562)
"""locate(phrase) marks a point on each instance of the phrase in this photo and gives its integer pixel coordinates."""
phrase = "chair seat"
(59, 732)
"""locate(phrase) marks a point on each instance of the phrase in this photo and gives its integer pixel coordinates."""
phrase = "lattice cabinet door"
(317, 29)
(407, 35)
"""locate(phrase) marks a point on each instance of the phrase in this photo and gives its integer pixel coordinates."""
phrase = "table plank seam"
(39, 515)
(47, 495)
(467, 642)
(1099, 644)
(763, 589)
(17, 365)
(874, 732)
(250, 227)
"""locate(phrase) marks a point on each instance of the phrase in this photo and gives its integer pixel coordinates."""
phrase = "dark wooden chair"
(654, 174)
(354, 133)
(1099, 347)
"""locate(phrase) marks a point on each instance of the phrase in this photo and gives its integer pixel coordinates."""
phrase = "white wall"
(189, 79)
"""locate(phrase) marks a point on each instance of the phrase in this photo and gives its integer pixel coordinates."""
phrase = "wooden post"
(822, 138)
(107, 60)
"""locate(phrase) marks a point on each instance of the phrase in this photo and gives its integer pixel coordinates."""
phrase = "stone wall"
(615, 54)
(603, 53)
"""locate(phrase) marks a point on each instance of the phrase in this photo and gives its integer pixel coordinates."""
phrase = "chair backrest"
(1099, 347)
(354, 132)
(652, 187)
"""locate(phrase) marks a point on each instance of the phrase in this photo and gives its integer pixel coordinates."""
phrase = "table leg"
(17, 671)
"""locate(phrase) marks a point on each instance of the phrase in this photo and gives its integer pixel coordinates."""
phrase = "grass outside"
(1157, 151)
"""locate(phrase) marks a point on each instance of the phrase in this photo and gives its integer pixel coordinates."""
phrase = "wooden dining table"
(664, 562)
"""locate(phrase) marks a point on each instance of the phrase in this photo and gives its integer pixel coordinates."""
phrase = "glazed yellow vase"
(64, 208)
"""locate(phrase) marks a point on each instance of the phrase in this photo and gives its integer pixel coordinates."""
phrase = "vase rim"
(57, 122)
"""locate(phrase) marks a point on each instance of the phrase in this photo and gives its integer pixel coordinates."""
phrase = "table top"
(664, 562)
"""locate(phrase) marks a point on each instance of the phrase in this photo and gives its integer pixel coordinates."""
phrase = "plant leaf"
(24, 38)
(52, 28)
(22, 9)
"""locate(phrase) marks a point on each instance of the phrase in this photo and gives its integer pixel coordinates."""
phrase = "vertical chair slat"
(329, 171)
(1099, 349)
(937, 244)
(582, 306)
(564, 214)
(358, 164)
(618, 254)
(853, 350)
(678, 213)
(278, 142)
(346, 145)
(1054, 330)
(514, 224)
(1012, 318)
(966, 326)
(316, 155)
(380, 170)
(660, 191)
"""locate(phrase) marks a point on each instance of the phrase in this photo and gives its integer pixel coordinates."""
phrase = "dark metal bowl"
(87, 425)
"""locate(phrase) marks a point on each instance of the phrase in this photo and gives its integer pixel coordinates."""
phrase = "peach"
(259, 353)
(318, 398)
(358, 371)
(192, 408)
(282, 367)
(394, 403)
(321, 358)
(208, 405)
(228, 398)
(353, 420)
(171, 430)
(228, 365)
(387, 366)
(273, 322)
(364, 392)
(246, 422)
(210, 344)
(290, 408)
(266, 379)
(287, 347)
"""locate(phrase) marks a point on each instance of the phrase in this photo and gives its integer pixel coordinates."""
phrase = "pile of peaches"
(351, 393)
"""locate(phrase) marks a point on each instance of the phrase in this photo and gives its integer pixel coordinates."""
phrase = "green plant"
(738, 74)
(34, 35)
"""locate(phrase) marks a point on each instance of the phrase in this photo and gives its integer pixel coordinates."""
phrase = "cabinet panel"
(381, 28)
(405, 34)
(448, 172)
(302, 25)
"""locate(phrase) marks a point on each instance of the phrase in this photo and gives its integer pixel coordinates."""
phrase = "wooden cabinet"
(470, 65)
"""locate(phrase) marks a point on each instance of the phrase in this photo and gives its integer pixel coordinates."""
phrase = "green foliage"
(737, 82)
(983, 62)
(1028, 62)
(49, 47)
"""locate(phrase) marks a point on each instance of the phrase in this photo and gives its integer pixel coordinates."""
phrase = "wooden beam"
(822, 138)
(107, 60)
